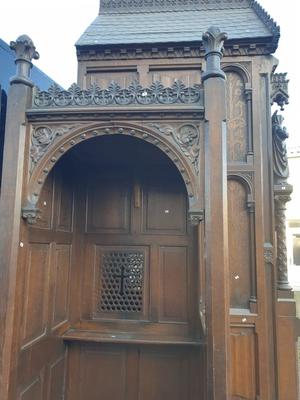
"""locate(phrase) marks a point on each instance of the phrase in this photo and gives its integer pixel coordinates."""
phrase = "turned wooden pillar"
(19, 98)
(216, 229)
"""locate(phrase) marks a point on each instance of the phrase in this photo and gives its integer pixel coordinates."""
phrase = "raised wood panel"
(244, 366)
(165, 208)
(34, 391)
(173, 302)
(108, 206)
(101, 373)
(103, 79)
(65, 203)
(239, 245)
(189, 77)
(163, 375)
(35, 306)
(237, 140)
(57, 379)
(61, 281)
(46, 204)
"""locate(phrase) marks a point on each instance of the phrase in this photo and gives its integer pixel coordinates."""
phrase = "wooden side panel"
(239, 246)
(244, 366)
(163, 375)
(165, 209)
(108, 206)
(46, 204)
(34, 391)
(64, 203)
(104, 78)
(237, 141)
(61, 282)
(189, 77)
(173, 302)
(97, 372)
(57, 379)
(35, 306)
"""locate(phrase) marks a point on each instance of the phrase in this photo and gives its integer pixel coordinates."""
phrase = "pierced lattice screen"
(122, 280)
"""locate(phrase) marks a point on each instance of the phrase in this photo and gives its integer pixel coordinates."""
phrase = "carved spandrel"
(236, 118)
(187, 137)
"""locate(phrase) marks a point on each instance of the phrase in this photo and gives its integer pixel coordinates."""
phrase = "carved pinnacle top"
(24, 49)
(25, 53)
(213, 40)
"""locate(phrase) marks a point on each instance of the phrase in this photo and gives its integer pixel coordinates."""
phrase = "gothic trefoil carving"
(156, 93)
(186, 137)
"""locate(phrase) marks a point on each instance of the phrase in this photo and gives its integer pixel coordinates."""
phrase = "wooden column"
(216, 229)
(10, 201)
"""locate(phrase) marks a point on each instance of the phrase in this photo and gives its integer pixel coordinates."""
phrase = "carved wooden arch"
(239, 69)
(76, 136)
(245, 179)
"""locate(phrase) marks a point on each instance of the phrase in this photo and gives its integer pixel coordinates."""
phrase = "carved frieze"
(236, 118)
(268, 253)
(280, 159)
(156, 93)
(187, 137)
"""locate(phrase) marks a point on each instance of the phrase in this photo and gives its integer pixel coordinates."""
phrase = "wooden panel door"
(137, 338)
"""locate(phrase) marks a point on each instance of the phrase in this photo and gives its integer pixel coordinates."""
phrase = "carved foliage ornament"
(41, 139)
(156, 93)
(187, 138)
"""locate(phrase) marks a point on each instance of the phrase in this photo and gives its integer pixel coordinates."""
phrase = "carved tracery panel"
(236, 118)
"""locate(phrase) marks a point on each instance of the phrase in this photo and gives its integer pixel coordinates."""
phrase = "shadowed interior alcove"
(119, 281)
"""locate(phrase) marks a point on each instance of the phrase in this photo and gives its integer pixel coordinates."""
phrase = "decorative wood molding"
(134, 94)
(179, 144)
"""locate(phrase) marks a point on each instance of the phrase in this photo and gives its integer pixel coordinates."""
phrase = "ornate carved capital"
(30, 213)
(196, 216)
(25, 53)
(279, 90)
(213, 41)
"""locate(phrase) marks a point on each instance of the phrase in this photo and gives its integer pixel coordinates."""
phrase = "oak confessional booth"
(142, 213)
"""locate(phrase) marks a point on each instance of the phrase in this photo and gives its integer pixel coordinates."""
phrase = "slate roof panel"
(172, 26)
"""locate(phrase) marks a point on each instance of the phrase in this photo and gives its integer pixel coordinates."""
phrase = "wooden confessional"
(138, 251)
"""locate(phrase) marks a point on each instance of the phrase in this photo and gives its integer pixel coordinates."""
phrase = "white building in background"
(293, 222)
